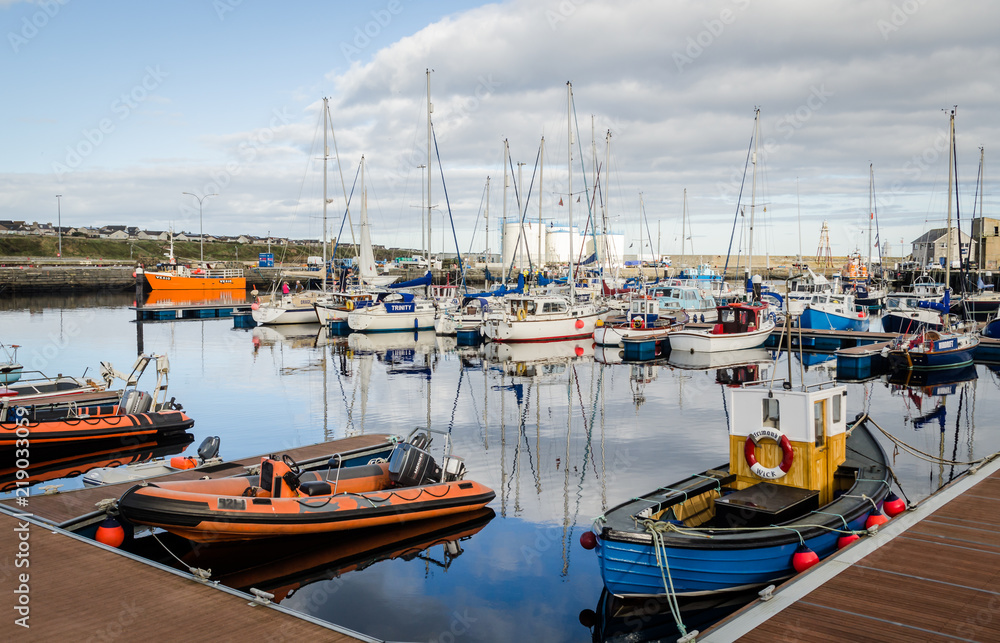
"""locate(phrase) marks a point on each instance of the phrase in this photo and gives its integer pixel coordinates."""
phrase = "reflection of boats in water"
(619, 620)
(69, 460)
(944, 380)
(534, 359)
(308, 559)
(424, 342)
(609, 354)
(294, 335)
(810, 360)
(705, 361)
(235, 296)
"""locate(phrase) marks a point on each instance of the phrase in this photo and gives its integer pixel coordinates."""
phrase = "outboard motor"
(209, 448)
(410, 466)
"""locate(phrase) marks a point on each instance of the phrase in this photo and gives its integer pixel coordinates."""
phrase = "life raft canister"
(750, 453)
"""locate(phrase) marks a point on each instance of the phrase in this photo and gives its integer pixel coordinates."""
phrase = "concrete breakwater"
(65, 278)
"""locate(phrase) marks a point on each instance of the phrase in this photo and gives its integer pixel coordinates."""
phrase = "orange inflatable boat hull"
(94, 427)
(236, 508)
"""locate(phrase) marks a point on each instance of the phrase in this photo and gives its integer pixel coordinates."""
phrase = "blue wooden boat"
(799, 478)
(930, 350)
(834, 312)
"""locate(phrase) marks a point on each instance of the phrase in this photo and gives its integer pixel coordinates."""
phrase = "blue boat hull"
(815, 319)
(630, 569)
(992, 329)
(900, 324)
(900, 360)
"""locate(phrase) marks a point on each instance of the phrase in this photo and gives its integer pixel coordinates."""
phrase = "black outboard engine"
(410, 466)
(209, 448)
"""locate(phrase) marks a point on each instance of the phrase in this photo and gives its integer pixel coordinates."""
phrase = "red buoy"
(579, 351)
(876, 519)
(579, 324)
(588, 540)
(111, 533)
(893, 505)
(846, 540)
(804, 558)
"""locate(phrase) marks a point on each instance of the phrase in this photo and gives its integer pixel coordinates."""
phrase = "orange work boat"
(178, 277)
(284, 501)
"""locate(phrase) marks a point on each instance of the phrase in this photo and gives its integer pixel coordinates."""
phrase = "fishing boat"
(695, 302)
(174, 276)
(641, 321)
(740, 325)
(920, 307)
(834, 312)
(10, 370)
(799, 478)
(283, 500)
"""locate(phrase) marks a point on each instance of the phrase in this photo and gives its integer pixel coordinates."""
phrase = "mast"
(430, 110)
(487, 223)
(753, 188)
(798, 209)
(541, 174)
(569, 152)
(326, 156)
(684, 235)
(871, 214)
(951, 181)
(503, 216)
(604, 205)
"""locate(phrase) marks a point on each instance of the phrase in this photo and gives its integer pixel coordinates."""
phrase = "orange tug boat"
(283, 501)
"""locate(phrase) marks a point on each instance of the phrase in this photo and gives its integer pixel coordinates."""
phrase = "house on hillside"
(12, 227)
(153, 235)
(932, 247)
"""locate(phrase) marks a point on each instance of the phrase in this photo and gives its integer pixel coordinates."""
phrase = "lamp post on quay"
(59, 223)
(201, 227)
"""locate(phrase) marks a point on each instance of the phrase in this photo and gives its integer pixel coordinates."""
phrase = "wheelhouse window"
(819, 421)
(836, 406)
(771, 416)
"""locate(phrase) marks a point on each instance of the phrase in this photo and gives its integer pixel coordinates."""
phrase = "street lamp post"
(59, 222)
(201, 226)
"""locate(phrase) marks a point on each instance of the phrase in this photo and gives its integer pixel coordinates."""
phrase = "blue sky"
(121, 107)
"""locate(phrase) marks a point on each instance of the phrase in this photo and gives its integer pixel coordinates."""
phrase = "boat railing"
(786, 384)
(221, 273)
(340, 465)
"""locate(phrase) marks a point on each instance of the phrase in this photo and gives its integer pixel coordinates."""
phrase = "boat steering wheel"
(292, 464)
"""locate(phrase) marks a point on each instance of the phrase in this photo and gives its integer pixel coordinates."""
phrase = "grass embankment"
(146, 252)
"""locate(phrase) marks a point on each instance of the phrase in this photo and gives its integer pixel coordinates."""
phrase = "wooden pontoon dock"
(930, 574)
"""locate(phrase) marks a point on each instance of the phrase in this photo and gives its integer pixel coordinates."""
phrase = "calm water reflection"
(559, 431)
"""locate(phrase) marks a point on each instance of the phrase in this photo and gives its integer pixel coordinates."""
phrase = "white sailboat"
(399, 311)
(547, 317)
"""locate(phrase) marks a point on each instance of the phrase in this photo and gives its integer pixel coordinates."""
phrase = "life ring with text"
(522, 315)
(349, 305)
(638, 323)
(750, 453)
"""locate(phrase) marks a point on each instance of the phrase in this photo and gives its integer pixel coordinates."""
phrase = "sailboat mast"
(871, 213)
(951, 182)
(798, 209)
(326, 156)
(503, 215)
(753, 187)
(487, 223)
(430, 110)
(569, 152)
(604, 205)
(684, 234)
(541, 174)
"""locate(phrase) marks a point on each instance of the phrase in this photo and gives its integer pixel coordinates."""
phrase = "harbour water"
(560, 431)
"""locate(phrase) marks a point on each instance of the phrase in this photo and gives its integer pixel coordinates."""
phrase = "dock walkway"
(930, 574)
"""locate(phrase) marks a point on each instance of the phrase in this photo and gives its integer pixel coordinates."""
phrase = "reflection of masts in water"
(569, 430)
(503, 447)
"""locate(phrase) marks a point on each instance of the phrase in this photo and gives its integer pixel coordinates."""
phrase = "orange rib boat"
(282, 501)
(94, 427)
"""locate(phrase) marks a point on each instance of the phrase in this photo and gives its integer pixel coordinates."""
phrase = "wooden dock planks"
(79, 591)
(937, 580)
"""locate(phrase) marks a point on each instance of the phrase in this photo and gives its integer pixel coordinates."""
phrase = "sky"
(122, 107)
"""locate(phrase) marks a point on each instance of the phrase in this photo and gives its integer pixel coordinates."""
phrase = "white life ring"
(750, 453)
